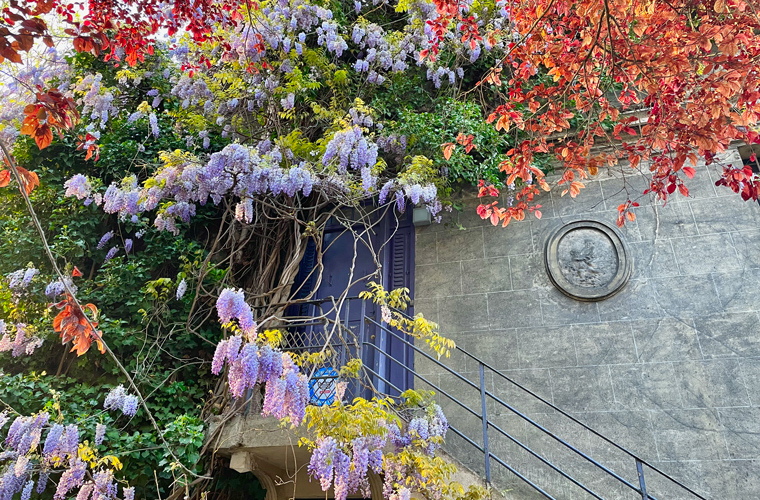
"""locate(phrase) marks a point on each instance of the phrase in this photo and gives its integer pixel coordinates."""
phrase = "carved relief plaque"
(587, 260)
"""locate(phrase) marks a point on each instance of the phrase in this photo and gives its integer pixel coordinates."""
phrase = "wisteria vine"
(39, 453)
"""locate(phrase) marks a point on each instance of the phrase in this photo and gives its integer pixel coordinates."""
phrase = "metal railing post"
(362, 321)
(487, 453)
(642, 485)
(343, 348)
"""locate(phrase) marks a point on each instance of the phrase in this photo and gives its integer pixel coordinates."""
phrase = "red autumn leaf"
(689, 171)
(466, 141)
(53, 110)
(25, 41)
(5, 178)
(494, 218)
(73, 326)
(483, 211)
(484, 190)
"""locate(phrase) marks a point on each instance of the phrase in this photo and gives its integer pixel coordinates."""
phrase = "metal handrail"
(487, 423)
(482, 415)
(473, 443)
(641, 489)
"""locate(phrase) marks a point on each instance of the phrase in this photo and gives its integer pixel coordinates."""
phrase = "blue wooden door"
(389, 355)
(393, 359)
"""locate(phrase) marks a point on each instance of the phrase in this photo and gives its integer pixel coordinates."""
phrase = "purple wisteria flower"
(286, 389)
(29, 274)
(85, 491)
(349, 148)
(27, 493)
(52, 441)
(78, 186)
(342, 470)
(100, 433)
(129, 493)
(111, 254)
(119, 399)
(21, 343)
(231, 305)
(70, 479)
(55, 288)
(19, 280)
(181, 289)
(129, 408)
(42, 482)
(105, 239)
(321, 465)
(153, 120)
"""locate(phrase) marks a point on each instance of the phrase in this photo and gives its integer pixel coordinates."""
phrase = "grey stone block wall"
(668, 368)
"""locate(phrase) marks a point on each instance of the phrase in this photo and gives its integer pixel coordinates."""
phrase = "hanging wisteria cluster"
(36, 448)
(57, 287)
(19, 280)
(80, 188)
(22, 343)
(96, 100)
(344, 465)
(286, 390)
(119, 399)
(245, 172)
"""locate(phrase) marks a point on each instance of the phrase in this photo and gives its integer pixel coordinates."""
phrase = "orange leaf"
(43, 136)
(29, 180)
(575, 188)
(494, 218)
(5, 178)
(503, 123)
(73, 326)
(448, 148)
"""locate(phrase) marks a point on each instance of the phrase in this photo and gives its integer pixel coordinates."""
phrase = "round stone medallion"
(587, 260)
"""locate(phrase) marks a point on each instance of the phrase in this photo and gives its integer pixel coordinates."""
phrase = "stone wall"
(668, 368)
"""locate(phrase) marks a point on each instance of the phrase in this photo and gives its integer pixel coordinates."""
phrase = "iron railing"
(352, 343)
